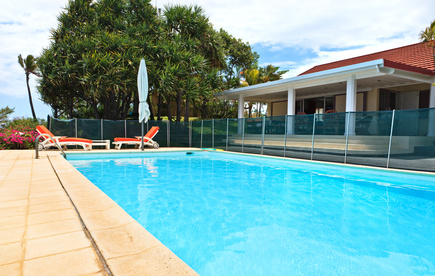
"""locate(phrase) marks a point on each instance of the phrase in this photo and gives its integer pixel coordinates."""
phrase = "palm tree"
(428, 35)
(29, 65)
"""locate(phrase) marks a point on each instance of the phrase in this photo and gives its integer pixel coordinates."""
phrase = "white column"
(431, 127)
(241, 113)
(351, 103)
(291, 106)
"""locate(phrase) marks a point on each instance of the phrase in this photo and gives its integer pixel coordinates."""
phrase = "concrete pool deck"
(54, 221)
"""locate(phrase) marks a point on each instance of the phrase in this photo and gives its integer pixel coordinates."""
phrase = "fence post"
(312, 139)
(285, 133)
(212, 133)
(168, 133)
(190, 134)
(347, 136)
(391, 138)
(102, 129)
(49, 124)
(202, 125)
(226, 146)
(125, 128)
(75, 123)
(243, 133)
(263, 130)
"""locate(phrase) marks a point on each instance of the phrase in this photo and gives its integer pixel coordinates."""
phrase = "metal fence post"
(243, 133)
(125, 128)
(102, 129)
(202, 125)
(312, 139)
(168, 133)
(263, 130)
(190, 134)
(212, 133)
(226, 146)
(347, 136)
(391, 138)
(285, 134)
(75, 123)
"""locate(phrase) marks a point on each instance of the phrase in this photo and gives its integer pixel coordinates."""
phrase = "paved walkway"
(53, 221)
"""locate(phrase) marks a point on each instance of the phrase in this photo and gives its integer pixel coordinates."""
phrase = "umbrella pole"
(141, 143)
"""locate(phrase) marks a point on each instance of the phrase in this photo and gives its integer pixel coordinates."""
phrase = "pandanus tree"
(29, 64)
(90, 67)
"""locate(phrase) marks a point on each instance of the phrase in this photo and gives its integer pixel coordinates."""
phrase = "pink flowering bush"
(20, 133)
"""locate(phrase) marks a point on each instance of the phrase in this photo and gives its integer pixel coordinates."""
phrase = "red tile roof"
(415, 58)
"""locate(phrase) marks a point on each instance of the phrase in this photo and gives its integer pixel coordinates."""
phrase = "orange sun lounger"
(147, 140)
(60, 140)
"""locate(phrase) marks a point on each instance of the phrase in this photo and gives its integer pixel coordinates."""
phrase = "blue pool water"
(227, 214)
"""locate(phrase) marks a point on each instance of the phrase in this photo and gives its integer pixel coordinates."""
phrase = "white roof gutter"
(301, 81)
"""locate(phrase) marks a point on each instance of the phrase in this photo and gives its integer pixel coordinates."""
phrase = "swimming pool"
(231, 214)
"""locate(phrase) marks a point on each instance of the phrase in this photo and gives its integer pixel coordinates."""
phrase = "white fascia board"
(313, 79)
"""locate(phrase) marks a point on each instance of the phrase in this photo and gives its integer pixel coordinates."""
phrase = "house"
(397, 79)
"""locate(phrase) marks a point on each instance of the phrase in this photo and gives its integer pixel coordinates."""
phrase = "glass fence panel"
(112, 129)
(369, 136)
(179, 134)
(89, 129)
(329, 139)
(274, 137)
(207, 134)
(412, 143)
(235, 135)
(252, 136)
(63, 127)
(134, 128)
(162, 136)
(220, 133)
(196, 134)
(299, 136)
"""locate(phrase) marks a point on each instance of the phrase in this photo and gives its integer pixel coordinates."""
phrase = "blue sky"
(295, 35)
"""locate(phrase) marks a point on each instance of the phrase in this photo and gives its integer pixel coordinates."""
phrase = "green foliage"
(23, 124)
(4, 113)
(90, 68)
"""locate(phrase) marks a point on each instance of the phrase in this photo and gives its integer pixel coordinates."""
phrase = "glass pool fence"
(401, 139)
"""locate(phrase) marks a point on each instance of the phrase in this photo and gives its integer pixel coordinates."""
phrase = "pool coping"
(126, 246)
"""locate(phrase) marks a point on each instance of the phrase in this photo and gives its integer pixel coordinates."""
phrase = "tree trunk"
(94, 106)
(169, 110)
(136, 103)
(179, 107)
(30, 96)
(151, 108)
(159, 108)
(186, 111)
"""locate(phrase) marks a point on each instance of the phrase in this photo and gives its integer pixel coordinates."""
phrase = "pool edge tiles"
(127, 247)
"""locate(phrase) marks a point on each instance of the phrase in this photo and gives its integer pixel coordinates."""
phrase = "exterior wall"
(373, 100)
(278, 108)
(340, 102)
(411, 88)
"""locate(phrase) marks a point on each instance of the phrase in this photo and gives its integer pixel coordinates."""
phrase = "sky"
(292, 34)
